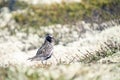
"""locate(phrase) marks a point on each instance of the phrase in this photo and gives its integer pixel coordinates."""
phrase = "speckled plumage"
(45, 51)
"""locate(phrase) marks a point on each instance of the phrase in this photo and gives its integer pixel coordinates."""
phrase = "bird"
(45, 51)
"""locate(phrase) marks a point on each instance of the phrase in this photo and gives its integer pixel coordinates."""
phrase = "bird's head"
(49, 38)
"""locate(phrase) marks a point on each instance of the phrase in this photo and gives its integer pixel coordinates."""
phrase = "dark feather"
(45, 51)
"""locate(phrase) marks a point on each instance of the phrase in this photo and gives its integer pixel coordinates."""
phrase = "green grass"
(67, 13)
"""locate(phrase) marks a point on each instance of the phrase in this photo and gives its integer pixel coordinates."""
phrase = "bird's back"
(45, 50)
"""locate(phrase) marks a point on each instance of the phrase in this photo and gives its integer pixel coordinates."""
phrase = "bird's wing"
(41, 50)
(45, 50)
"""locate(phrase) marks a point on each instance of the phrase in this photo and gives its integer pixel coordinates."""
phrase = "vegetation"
(67, 13)
(87, 67)
(63, 72)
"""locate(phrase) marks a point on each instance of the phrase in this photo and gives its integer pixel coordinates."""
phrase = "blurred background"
(43, 16)
(86, 31)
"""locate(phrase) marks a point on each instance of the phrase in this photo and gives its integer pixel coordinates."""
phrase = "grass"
(68, 13)
(108, 49)
(86, 68)
(82, 71)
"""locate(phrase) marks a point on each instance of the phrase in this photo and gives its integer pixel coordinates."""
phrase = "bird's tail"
(32, 58)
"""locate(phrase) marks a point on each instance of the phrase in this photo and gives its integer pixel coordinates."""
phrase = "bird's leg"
(45, 62)
(42, 62)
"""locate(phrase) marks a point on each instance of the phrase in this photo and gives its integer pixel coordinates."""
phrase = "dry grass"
(90, 49)
(93, 58)
(74, 71)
